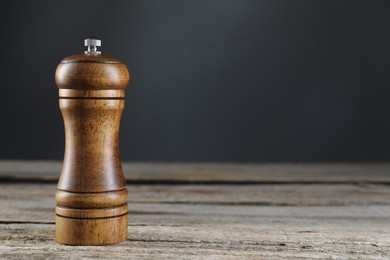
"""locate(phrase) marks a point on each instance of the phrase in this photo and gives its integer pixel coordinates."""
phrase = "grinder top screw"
(92, 43)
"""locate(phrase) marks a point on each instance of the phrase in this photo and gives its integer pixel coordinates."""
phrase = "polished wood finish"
(93, 231)
(76, 93)
(92, 196)
(91, 162)
(80, 72)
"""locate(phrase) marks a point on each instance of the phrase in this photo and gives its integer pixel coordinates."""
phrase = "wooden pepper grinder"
(92, 196)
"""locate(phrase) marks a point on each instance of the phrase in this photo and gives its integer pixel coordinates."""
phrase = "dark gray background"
(216, 80)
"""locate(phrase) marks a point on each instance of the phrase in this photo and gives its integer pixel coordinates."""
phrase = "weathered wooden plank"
(291, 220)
(222, 231)
(213, 173)
(35, 202)
(183, 231)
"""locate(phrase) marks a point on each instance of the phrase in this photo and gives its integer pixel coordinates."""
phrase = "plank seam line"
(241, 242)
(25, 222)
(12, 179)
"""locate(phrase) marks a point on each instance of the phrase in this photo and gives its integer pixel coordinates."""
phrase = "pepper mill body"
(92, 196)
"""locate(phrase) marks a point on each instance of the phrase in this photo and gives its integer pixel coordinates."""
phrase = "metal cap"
(92, 43)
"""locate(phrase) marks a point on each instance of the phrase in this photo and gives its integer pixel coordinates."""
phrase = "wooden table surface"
(182, 210)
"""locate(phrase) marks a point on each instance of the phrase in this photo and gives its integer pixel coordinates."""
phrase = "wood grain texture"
(92, 160)
(228, 240)
(284, 220)
(76, 93)
(91, 231)
(92, 197)
(106, 199)
(207, 173)
(92, 72)
(25, 202)
(160, 223)
(34, 202)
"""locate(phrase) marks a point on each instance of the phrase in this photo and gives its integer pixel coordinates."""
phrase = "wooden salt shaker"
(92, 196)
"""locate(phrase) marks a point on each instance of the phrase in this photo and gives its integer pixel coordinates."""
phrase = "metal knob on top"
(92, 43)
